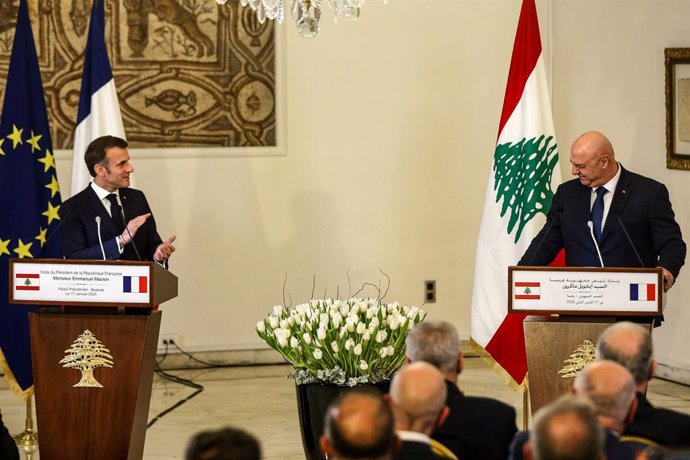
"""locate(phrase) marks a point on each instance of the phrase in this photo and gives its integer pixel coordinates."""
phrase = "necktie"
(116, 213)
(598, 212)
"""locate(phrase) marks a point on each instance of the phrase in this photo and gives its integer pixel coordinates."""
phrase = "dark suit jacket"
(639, 204)
(411, 450)
(476, 428)
(663, 426)
(8, 448)
(615, 448)
(80, 234)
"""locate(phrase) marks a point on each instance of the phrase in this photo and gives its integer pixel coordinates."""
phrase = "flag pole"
(525, 409)
(27, 440)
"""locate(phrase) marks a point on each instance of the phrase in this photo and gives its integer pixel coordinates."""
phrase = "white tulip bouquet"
(342, 342)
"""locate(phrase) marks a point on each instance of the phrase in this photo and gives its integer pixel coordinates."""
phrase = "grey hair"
(435, 342)
(608, 404)
(640, 362)
(588, 446)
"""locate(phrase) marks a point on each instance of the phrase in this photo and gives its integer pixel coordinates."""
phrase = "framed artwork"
(194, 78)
(677, 63)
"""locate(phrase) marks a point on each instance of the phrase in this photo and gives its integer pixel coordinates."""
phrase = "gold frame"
(677, 65)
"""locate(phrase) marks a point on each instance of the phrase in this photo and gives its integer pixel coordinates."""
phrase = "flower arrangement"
(343, 342)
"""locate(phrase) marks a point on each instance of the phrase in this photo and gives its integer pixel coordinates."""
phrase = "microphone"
(559, 210)
(131, 238)
(637, 254)
(100, 241)
(596, 245)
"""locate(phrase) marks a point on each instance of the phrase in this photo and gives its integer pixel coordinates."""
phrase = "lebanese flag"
(27, 282)
(524, 174)
(99, 109)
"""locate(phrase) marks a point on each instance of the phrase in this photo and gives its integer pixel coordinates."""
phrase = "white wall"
(608, 74)
(391, 124)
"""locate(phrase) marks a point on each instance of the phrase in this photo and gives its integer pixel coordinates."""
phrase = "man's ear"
(442, 416)
(408, 360)
(527, 450)
(652, 369)
(325, 445)
(461, 362)
(631, 411)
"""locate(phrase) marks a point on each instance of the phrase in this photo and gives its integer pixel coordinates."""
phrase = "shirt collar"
(102, 193)
(413, 436)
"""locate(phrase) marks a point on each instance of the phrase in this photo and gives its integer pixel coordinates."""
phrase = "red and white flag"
(524, 174)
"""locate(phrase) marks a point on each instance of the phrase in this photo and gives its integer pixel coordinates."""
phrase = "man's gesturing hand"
(132, 227)
(164, 250)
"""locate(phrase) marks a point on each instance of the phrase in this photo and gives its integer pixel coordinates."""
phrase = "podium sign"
(590, 291)
(95, 283)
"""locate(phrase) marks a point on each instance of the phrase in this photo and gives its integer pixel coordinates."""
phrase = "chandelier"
(305, 13)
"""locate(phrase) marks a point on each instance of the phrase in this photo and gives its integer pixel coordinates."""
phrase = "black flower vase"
(312, 401)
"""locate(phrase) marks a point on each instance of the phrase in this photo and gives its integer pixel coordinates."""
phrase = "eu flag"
(29, 195)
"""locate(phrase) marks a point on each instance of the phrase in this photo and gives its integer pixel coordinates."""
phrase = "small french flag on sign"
(646, 292)
(135, 284)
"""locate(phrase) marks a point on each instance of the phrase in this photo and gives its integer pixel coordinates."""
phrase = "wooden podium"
(92, 359)
(574, 305)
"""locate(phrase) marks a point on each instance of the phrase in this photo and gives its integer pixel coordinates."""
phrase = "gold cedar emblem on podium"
(583, 355)
(86, 354)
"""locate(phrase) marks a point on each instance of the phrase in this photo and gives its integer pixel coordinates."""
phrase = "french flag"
(99, 110)
(135, 284)
(643, 291)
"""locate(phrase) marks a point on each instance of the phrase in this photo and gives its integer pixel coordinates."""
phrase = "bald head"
(358, 425)
(418, 392)
(630, 345)
(567, 429)
(593, 159)
(611, 389)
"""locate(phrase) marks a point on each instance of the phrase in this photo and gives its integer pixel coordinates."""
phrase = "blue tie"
(598, 212)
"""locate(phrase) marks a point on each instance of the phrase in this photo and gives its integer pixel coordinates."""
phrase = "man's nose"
(575, 170)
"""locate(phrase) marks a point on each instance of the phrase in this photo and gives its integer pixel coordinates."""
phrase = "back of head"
(630, 345)
(97, 150)
(418, 392)
(223, 444)
(435, 342)
(359, 425)
(567, 430)
(611, 389)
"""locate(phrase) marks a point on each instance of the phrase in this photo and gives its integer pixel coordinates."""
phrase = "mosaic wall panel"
(189, 73)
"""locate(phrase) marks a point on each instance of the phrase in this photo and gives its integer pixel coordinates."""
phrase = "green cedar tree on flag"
(523, 175)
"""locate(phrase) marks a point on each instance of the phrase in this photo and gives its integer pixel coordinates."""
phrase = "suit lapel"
(620, 197)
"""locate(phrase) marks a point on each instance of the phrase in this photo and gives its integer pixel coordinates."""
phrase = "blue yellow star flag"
(29, 195)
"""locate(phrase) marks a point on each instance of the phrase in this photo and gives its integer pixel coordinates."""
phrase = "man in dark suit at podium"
(627, 216)
(109, 220)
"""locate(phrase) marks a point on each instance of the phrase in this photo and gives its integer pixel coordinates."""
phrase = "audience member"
(418, 396)
(611, 390)
(566, 430)
(630, 345)
(476, 428)
(8, 448)
(224, 444)
(359, 425)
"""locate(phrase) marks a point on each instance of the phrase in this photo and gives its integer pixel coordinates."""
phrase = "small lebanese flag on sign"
(525, 290)
(135, 284)
(646, 292)
(27, 282)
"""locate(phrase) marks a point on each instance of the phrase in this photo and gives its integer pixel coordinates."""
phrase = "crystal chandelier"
(305, 13)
